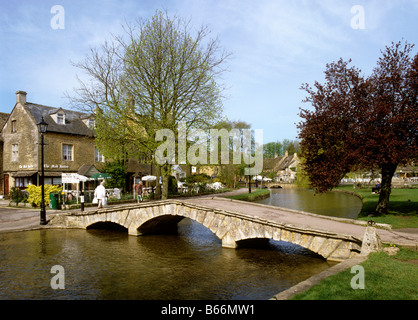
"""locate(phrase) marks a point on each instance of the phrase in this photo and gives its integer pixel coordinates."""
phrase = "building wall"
(82, 152)
(25, 136)
(1, 169)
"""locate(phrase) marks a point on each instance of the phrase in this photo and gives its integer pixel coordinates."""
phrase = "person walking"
(100, 194)
(138, 190)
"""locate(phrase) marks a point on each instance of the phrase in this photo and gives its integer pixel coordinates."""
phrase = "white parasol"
(149, 178)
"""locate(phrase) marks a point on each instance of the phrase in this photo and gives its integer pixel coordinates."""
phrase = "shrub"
(172, 185)
(200, 178)
(18, 195)
(35, 194)
(117, 170)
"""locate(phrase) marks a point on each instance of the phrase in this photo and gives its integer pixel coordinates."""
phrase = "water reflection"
(336, 204)
(101, 264)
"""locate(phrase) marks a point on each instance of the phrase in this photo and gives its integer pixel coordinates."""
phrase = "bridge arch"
(164, 224)
(107, 225)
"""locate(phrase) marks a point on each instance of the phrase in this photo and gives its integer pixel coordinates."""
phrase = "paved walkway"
(14, 219)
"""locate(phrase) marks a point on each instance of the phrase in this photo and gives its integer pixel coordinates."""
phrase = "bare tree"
(158, 73)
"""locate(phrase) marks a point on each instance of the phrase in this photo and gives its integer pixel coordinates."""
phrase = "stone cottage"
(69, 145)
(283, 166)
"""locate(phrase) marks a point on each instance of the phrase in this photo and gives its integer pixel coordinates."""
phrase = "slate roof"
(3, 120)
(286, 163)
(138, 169)
(73, 120)
(272, 164)
(87, 170)
(278, 163)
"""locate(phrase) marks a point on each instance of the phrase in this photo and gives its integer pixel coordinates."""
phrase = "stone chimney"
(286, 154)
(275, 155)
(21, 97)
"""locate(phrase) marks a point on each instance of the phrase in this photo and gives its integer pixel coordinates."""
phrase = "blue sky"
(277, 45)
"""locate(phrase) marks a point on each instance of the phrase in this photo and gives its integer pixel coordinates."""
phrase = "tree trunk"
(165, 187)
(165, 171)
(157, 183)
(388, 170)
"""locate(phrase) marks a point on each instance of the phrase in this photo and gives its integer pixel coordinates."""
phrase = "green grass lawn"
(403, 207)
(254, 195)
(385, 278)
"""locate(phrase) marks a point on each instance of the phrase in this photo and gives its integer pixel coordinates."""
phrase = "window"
(14, 126)
(23, 182)
(98, 157)
(67, 152)
(15, 153)
(60, 118)
(53, 181)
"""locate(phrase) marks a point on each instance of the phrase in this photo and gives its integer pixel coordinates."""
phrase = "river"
(104, 264)
(336, 204)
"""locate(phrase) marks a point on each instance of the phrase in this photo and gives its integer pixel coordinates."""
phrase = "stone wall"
(83, 152)
(27, 138)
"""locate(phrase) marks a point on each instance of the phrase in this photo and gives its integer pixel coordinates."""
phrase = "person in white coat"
(100, 194)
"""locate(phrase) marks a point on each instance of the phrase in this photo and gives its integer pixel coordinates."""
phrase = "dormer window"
(89, 122)
(60, 118)
(58, 115)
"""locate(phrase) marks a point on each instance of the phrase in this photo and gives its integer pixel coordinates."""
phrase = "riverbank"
(385, 278)
(403, 206)
(256, 194)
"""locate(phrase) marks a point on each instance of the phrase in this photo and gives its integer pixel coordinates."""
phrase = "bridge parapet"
(230, 226)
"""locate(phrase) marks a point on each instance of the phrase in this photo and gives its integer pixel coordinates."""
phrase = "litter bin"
(53, 200)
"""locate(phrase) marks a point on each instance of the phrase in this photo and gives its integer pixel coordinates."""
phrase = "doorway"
(6, 184)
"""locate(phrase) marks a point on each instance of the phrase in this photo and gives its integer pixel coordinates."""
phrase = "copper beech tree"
(360, 122)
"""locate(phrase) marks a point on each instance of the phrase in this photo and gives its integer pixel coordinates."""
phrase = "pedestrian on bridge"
(138, 190)
(100, 194)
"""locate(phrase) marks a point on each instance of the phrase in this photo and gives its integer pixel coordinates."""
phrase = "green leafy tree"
(117, 170)
(272, 149)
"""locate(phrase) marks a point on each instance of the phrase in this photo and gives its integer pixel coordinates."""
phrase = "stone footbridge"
(231, 226)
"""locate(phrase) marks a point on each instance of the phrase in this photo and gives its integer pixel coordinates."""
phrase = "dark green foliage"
(117, 170)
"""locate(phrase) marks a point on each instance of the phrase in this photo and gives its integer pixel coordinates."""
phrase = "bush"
(35, 194)
(200, 178)
(172, 185)
(117, 170)
(18, 195)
